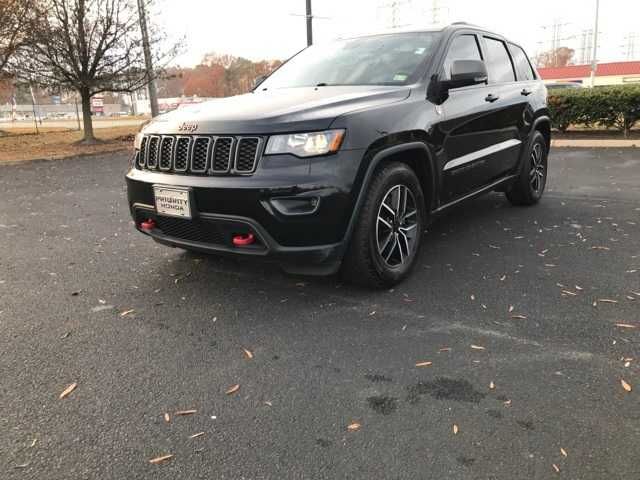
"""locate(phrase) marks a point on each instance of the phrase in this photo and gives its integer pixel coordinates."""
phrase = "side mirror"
(465, 73)
(258, 80)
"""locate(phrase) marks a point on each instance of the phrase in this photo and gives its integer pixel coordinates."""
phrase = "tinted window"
(523, 67)
(464, 47)
(498, 61)
(394, 59)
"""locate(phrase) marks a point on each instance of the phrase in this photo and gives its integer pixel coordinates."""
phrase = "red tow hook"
(148, 225)
(243, 240)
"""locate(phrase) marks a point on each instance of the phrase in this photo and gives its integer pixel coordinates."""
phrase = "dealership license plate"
(174, 202)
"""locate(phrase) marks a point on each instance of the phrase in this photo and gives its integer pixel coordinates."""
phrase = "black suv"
(340, 158)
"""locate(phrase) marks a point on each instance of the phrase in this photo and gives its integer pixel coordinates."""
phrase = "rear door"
(480, 137)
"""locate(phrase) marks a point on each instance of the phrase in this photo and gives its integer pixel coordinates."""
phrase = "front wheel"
(530, 184)
(388, 232)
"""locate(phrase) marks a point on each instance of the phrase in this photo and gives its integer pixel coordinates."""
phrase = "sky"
(275, 29)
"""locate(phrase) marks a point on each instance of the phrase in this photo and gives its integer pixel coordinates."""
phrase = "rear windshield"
(394, 59)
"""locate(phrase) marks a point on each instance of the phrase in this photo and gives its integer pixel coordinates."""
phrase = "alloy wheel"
(538, 171)
(397, 226)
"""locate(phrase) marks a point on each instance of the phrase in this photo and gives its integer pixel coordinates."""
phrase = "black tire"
(529, 186)
(364, 264)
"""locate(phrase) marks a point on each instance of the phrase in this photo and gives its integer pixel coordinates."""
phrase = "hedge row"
(612, 107)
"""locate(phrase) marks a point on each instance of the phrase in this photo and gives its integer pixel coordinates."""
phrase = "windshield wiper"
(322, 84)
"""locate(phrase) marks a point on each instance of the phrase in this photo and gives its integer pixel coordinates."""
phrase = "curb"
(602, 143)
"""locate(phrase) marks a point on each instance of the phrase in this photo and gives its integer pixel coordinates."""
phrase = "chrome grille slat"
(247, 154)
(142, 154)
(181, 154)
(152, 152)
(200, 151)
(221, 161)
(200, 154)
(165, 161)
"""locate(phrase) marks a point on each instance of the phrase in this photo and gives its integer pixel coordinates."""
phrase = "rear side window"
(463, 47)
(523, 66)
(498, 61)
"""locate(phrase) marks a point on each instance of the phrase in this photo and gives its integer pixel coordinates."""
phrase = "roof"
(582, 71)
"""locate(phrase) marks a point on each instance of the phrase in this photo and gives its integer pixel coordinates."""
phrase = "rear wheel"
(388, 232)
(529, 186)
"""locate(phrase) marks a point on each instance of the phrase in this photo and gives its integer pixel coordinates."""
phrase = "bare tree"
(90, 46)
(13, 22)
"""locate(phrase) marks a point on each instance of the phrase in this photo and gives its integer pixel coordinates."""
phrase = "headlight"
(137, 141)
(306, 144)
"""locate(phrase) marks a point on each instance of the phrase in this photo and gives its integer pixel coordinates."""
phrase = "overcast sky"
(268, 29)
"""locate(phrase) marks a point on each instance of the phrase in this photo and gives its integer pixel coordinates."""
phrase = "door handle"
(491, 98)
(525, 92)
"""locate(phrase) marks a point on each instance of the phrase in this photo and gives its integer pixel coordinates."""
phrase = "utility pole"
(309, 24)
(594, 60)
(153, 94)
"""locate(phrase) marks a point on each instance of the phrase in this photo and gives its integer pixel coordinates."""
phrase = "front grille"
(200, 154)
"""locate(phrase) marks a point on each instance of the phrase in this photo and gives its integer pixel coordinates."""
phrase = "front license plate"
(173, 202)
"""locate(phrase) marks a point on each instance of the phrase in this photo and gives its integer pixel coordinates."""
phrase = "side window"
(463, 47)
(523, 66)
(498, 61)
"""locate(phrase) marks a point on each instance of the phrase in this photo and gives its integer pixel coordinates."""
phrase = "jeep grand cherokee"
(339, 159)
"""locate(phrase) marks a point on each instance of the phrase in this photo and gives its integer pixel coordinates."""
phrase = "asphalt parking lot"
(538, 303)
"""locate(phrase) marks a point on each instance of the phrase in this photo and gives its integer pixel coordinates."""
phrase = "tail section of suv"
(341, 157)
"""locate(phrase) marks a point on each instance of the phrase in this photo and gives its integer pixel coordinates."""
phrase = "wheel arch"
(415, 154)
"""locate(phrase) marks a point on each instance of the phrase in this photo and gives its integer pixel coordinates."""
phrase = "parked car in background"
(563, 85)
(339, 160)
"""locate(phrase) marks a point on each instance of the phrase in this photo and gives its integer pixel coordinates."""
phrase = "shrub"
(612, 107)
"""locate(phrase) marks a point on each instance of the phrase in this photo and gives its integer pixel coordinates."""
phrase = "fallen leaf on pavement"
(127, 312)
(196, 435)
(625, 385)
(424, 364)
(68, 390)
(185, 412)
(161, 459)
(353, 427)
(556, 468)
(455, 429)
(563, 452)
(248, 353)
(233, 389)
(477, 347)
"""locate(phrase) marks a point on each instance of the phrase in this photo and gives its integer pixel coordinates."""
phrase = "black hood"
(273, 111)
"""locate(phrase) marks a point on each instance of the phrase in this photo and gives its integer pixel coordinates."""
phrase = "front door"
(480, 127)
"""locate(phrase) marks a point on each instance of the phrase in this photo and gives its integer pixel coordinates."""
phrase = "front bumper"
(309, 237)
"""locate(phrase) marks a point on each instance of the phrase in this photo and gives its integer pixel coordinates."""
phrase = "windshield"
(394, 59)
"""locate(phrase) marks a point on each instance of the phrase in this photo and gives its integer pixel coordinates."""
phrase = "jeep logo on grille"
(188, 127)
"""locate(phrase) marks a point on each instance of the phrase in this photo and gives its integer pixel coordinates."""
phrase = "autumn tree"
(14, 15)
(89, 46)
(560, 57)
